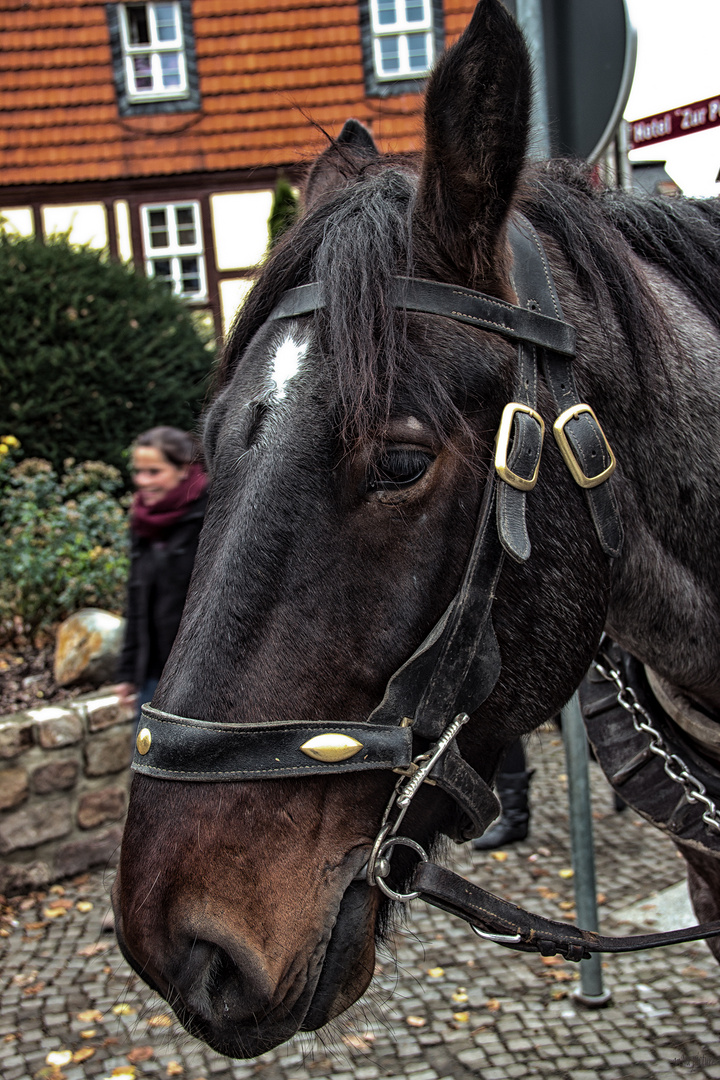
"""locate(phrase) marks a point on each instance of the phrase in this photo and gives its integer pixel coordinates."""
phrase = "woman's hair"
(178, 447)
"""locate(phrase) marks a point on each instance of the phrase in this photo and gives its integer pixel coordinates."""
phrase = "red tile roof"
(264, 66)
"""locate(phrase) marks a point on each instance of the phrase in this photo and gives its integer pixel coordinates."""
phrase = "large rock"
(87, 647)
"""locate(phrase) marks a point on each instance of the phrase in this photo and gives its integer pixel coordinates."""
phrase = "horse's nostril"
(206, 979)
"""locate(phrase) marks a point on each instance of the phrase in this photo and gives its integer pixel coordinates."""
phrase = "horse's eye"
(397, 468)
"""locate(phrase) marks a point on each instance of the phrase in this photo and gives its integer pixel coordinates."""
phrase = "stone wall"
(64, 779)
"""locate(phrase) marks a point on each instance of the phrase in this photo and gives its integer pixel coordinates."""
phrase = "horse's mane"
(356, 240)
(593, 226)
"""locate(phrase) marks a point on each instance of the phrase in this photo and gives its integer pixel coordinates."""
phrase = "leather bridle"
(454, 670)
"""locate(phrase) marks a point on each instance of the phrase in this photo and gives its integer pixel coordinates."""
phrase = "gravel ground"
(443, 1003)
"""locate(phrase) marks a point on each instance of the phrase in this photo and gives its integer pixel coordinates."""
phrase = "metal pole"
(530, 18)
(624, 163)
(591, 992)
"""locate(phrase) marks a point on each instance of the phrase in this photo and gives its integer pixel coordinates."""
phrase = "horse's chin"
(336, 975)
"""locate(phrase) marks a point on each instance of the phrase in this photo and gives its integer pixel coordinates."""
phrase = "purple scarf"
(156, 522)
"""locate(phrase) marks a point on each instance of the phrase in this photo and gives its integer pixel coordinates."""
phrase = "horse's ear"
(477, 115)
(341, 163)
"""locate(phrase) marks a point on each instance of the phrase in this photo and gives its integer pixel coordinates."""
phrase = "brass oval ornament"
(331, 747)
(143, 741)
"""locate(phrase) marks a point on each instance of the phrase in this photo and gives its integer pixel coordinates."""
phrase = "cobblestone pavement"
(443, 1004)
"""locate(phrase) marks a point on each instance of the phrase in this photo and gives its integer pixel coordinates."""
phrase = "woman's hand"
(126, 693)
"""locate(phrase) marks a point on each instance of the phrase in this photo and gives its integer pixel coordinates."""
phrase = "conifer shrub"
(92, 353)
(285, 209)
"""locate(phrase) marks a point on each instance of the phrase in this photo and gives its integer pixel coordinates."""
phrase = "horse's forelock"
(366, 242)
(354, 243)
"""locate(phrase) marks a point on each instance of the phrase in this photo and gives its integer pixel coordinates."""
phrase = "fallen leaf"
(83, 1054)
(123, 1072)
(461, 1017)
(557, 994)
(34, 925)
(699, 973)
(174, 1068)
(88, 1033)
(84, 906)
(561, 976)
(54, 912)
(567, 905)
(460, 996)
(544, 851)
(436, 972)
(415, 1021)
(567, 872)
(492, 1004)
(140, 1053)
(26, 979)
(49, 1072)
(29, 991)
(546, 893)
(94, 949)
(162, 1020)
(551, 961)
(357, 1042)
(11, 1037)
(90, 1016)
(57, 890)
(58, 1058)
(499, 856)
(601, 898)
(123, 1009)
(82, 880)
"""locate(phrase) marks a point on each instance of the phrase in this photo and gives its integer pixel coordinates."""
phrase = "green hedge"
(92, 353)
(64, 541)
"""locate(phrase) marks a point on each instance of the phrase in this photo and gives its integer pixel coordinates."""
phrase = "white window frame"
(402, 30)
(174, 251)
(155, 49)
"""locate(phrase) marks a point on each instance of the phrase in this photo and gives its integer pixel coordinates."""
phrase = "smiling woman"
(165, 523)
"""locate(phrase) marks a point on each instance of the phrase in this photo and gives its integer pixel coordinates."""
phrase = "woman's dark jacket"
(159, 579)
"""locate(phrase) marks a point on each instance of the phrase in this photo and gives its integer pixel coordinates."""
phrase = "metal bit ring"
(403, 841)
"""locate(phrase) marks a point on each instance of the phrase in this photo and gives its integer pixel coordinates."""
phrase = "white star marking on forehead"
(286, 364)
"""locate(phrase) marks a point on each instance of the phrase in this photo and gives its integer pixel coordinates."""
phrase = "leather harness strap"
(533, 933)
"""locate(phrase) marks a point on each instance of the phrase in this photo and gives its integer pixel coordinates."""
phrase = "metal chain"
(674, 766)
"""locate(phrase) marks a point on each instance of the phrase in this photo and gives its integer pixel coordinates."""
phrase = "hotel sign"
(699, 116)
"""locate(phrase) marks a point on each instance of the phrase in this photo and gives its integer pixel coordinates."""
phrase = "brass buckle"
(502, 442)
(567, 452)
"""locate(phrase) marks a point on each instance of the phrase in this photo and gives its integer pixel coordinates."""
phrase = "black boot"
(512, 789)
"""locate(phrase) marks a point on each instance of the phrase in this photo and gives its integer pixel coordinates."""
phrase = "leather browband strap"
(493, 915)
(453, 302)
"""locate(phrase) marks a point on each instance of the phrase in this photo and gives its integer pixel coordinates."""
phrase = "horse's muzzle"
(220, 987)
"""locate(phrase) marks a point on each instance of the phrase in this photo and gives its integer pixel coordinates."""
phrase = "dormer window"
(153, 47)
(153, 56)
(401, 40)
